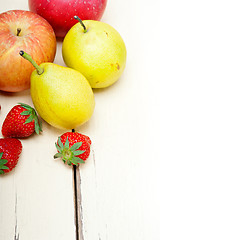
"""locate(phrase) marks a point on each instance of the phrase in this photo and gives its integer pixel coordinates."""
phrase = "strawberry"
(21, 122)
(10, 150)
(73, 148)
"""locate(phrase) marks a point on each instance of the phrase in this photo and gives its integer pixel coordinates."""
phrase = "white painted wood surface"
(38, 196)
(164, 163)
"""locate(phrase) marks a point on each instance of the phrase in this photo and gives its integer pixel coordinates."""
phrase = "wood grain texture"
(164, 162)
(38, 193)
(38, 196)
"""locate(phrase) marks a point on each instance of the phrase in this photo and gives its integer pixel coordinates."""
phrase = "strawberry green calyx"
(69, 155)
(32, 116)
(2, 164)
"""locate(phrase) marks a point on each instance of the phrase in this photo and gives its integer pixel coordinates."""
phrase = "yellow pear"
(62, 96)
(96, 50)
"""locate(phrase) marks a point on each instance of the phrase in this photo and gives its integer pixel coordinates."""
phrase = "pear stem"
(29, 58)
(81, 22)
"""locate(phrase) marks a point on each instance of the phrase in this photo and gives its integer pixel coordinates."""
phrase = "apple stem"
(81, 22)
(18, 31)
(29, 58)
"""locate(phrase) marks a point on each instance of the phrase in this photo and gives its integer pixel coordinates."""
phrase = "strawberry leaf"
(66, 145)
(78, 152)
(60, 143)
(3, 161)
(32, 117)
(29, 119)
(38, 126)
(78, 159)
(57, 155)
(4, 167)
(58, 148)
(69, 162)
(26, 106)
(25, 113)
(75, 146)
(74, 162)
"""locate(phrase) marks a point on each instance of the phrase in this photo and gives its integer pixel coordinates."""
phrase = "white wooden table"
(37, 198)
(165, 159)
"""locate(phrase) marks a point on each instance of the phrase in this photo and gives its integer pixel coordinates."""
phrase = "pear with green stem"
(62, 96)
(96, 50)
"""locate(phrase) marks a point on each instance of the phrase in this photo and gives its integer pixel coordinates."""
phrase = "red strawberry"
(21, 122)
(73, 148)
(10, 150)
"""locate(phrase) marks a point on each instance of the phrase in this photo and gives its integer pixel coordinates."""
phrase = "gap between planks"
(77, 196)
(78, 203)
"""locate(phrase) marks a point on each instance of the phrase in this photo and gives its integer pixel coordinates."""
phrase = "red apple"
(23, 30)
(60, 13)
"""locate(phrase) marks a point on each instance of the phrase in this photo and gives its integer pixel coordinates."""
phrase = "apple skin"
(36, 37)
(60, 13)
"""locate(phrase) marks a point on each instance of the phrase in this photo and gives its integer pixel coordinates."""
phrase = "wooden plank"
(78, 203)
(112, 181)
(37, 198)
(165, 137)
(38, 194)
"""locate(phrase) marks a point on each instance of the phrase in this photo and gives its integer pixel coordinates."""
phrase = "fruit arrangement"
(95, 57)
(21, 122)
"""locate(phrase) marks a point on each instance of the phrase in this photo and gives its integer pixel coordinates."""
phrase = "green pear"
(62, 96)
(96, 50)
